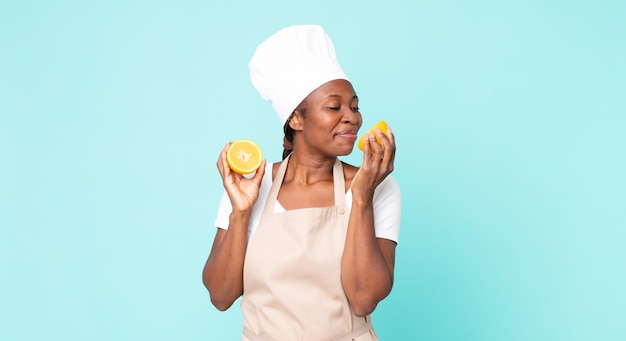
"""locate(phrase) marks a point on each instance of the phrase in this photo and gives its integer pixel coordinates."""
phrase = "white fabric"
(387, 207)
(292, 63)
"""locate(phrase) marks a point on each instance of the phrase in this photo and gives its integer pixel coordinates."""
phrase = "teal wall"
(511, 130)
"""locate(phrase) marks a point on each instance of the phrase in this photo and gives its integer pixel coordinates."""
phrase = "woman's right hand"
(242, 191)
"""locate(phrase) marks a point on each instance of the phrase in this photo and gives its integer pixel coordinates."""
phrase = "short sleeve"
(387, 209)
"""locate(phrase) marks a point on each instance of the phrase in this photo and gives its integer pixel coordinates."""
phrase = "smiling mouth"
(347, 135)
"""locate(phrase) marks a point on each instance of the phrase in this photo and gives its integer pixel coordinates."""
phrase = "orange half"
(244, 156)
(382, 125)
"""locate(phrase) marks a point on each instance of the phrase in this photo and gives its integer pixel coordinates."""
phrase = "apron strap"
(339, 184)
(278, 181)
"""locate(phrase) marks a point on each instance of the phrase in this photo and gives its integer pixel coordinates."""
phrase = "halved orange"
(244, 156)
(382, 125)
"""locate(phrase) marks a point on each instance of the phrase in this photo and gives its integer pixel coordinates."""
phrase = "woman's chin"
(346, 151)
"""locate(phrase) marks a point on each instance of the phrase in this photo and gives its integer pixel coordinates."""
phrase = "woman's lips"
(348, 135)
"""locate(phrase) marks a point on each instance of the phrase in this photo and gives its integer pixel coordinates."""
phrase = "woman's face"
(332, 119)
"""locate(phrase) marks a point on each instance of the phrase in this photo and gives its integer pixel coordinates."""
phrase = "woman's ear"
(295, 121)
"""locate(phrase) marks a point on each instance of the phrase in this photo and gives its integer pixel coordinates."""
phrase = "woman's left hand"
(377, 163)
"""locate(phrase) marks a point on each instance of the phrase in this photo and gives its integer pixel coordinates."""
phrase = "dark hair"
(288, 140)
(289, 132)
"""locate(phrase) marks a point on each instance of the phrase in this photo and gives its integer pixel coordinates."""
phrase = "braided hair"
(289, 132)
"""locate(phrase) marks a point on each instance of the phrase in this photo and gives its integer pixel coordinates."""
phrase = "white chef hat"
(292, 63)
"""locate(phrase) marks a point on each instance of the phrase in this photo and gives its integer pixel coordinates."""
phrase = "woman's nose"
(350, 116)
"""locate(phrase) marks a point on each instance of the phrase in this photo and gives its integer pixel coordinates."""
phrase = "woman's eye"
(334, 108)
(356, 108)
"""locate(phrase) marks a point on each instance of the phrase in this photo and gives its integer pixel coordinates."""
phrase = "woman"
(309, 242)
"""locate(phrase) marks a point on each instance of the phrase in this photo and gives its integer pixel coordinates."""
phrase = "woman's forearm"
(223, 271)
(366, 273)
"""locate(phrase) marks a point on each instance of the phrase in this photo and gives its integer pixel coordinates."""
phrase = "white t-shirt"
(387, 207)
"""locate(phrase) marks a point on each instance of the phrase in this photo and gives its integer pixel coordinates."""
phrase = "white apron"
(292, 285)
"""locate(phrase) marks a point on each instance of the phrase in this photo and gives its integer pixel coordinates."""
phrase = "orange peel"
(382, 125)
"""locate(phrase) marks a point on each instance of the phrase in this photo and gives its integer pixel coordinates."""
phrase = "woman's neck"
(308, 169)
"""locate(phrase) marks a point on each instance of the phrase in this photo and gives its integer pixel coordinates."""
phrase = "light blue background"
(510, 124)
